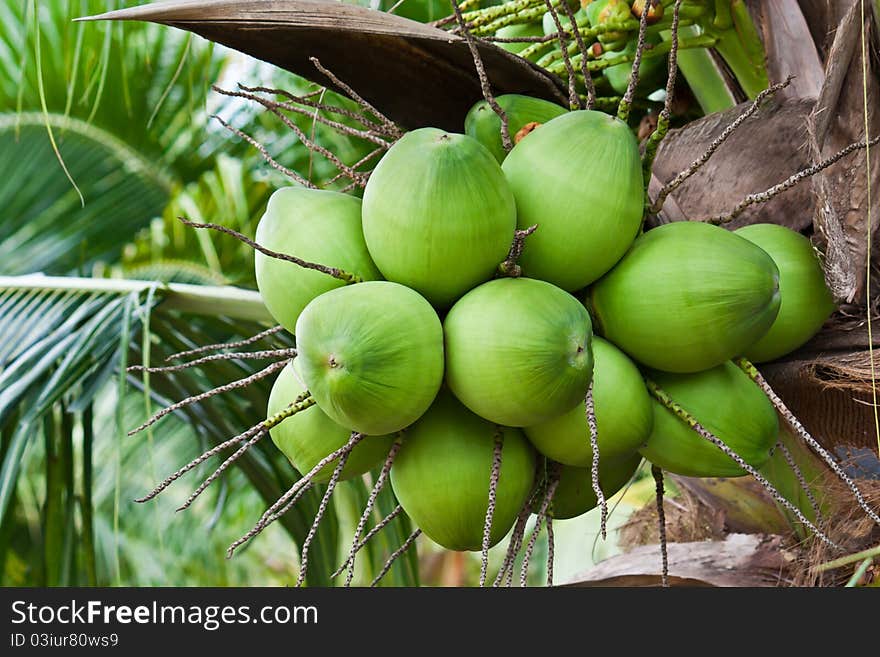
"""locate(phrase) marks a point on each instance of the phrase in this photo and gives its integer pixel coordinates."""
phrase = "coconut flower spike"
(227, 345)
(395, 555)
(322, 509)
(281, 504)
(335, 272)
(552, 484)
(490, 507)
(370, 534)
(368, 509)
(195, 399)
(481, 74)
(250, 436)
(657, 473)
(594, 466)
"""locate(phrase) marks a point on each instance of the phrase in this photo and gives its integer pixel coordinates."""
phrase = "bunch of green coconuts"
(433, 344)
(611, 45)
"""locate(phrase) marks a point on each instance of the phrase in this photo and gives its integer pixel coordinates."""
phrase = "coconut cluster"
(612, 22)
(435, 346)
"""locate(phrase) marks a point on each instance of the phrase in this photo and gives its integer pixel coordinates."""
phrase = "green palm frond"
(230, 193)
(128, 107)
(146, 85)
(68, 341)
(44, 226)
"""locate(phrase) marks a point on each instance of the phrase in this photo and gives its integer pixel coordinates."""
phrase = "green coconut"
(518, 30)
(317, 226)
(371, 354)
(574, 494)
(441, 475)
(726, 402)
(438, 214)
(579, 178)
(688, 296)
(483, 124)
(309, 436)
(806, 301)
(518, 351)
(624, 415)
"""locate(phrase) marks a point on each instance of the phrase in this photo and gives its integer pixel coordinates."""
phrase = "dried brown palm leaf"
(416, 74)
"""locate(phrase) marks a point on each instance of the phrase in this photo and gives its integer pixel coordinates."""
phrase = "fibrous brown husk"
(828, 385)
(850, 528)
(843, 200)
(691, 522)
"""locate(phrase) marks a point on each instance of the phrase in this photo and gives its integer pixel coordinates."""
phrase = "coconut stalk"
(739, 45)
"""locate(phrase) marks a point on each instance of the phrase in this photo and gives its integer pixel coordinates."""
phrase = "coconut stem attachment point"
(590, 408)
(657, 473)
(510, 267)
(661, 396)
(335, 272)
(801, 431)
(697, 164)
(490, 507)
(663, 120)
(368, 509)
(484, 79)
(394, 556)
(626, 102)
(788, 183)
